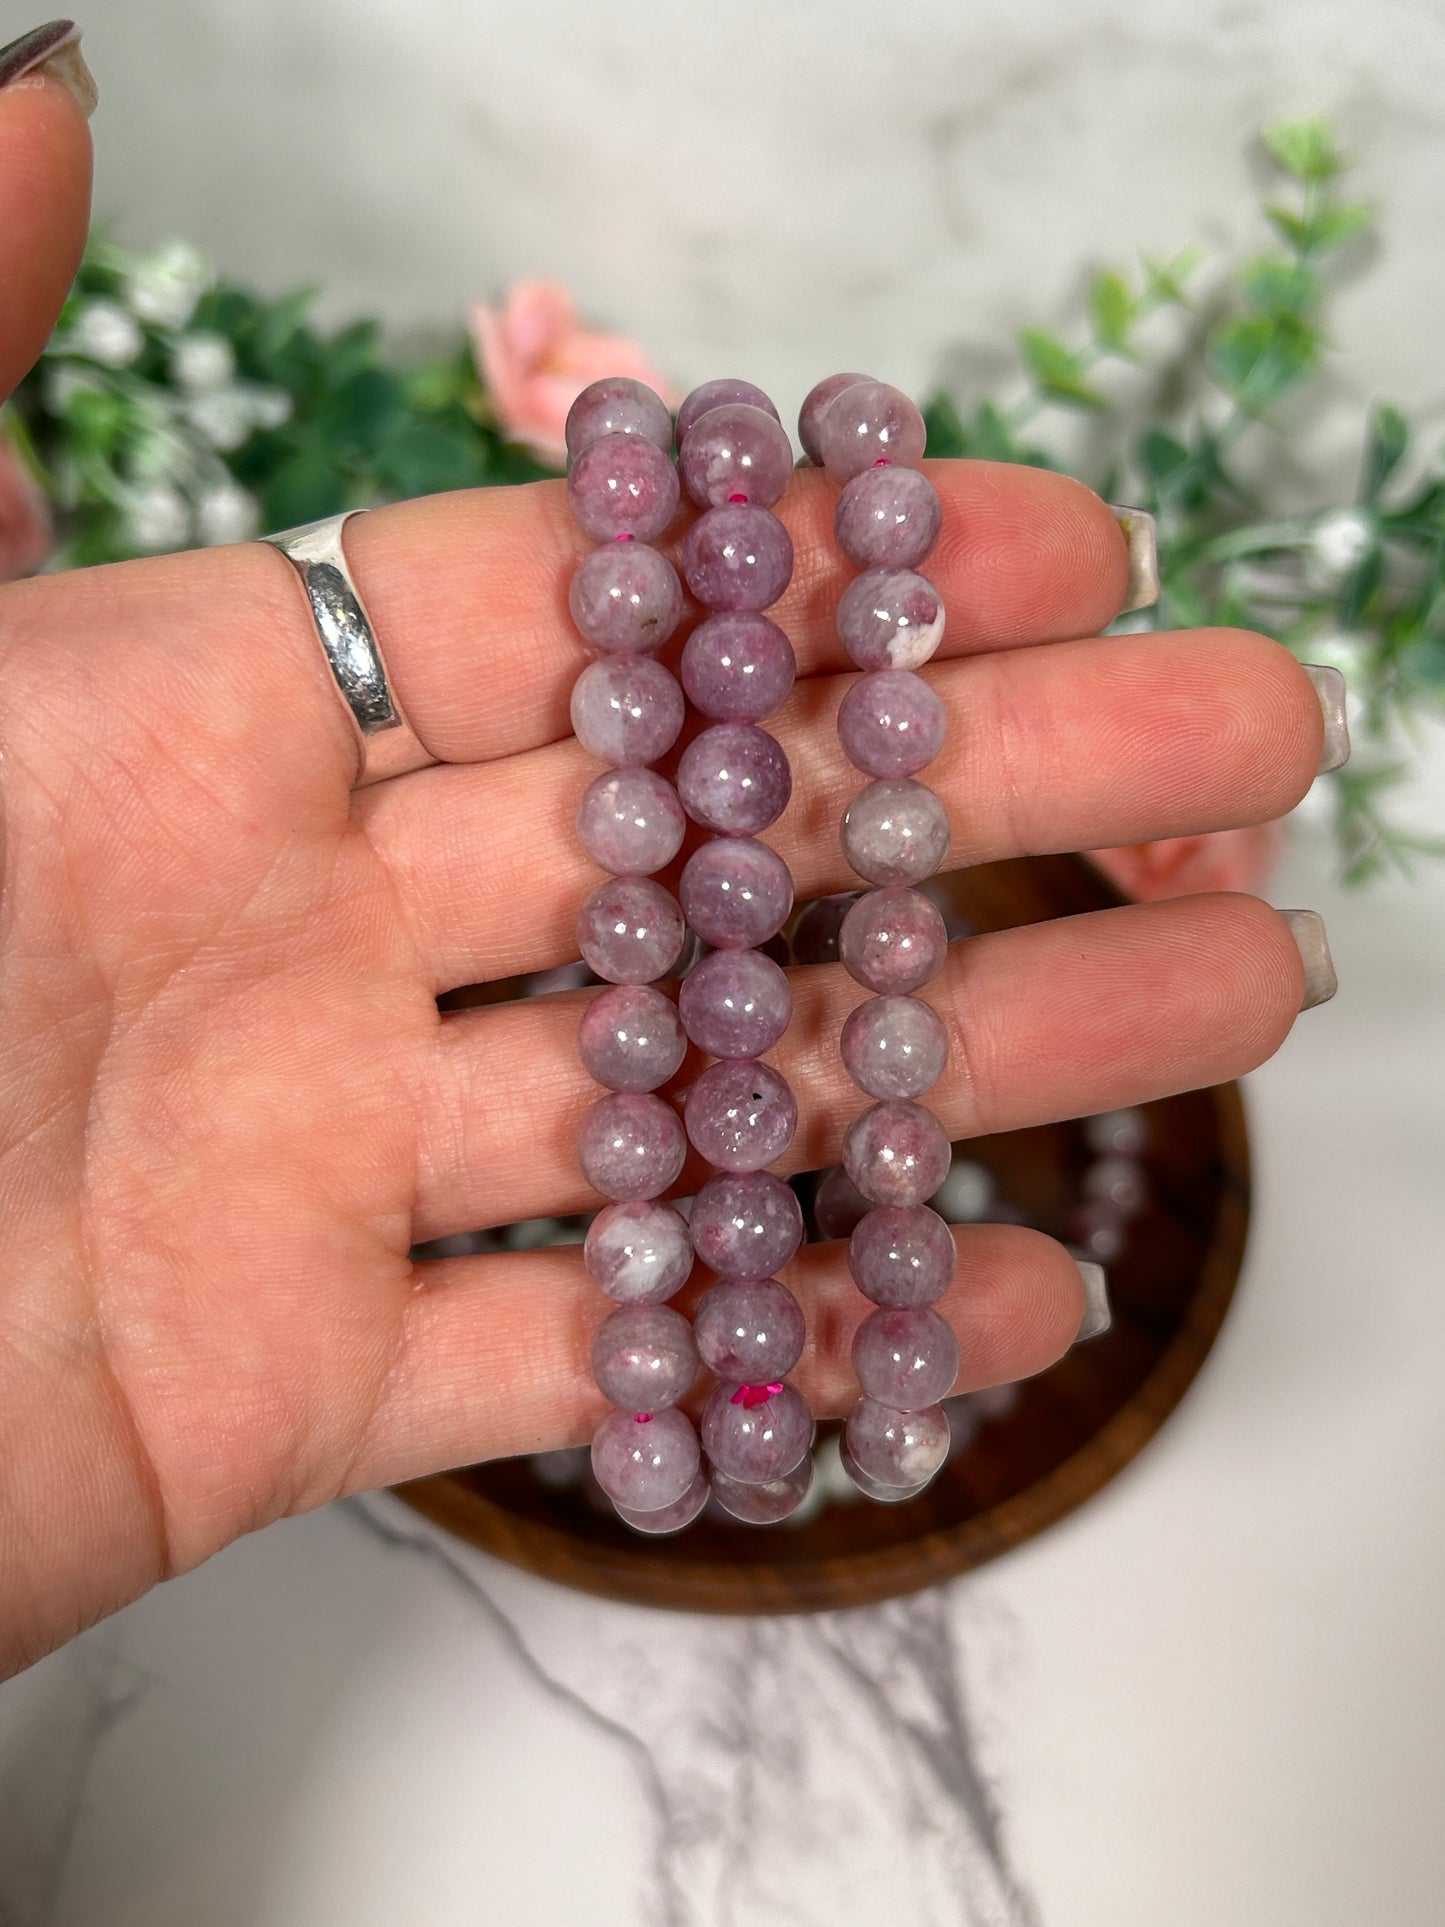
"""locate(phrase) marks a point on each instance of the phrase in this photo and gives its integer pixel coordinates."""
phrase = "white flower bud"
(165, 287)
(158, 518)
(107, 334)
(227, 513)
(203, 362)
(224, 417)
(270, 407)
(1338, 546)
(64, 380)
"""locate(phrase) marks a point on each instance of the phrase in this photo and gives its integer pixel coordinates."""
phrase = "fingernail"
(51, 49)
(1307, 927)
(1097, 1315)
(1330, 688)
(1141, 535)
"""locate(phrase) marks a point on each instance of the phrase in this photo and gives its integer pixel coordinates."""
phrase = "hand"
(229, 1107)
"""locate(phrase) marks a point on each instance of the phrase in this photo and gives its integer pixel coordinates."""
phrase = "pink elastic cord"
(749, 1395)
(642, 1418)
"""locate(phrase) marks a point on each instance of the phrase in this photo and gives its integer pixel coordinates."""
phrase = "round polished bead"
(893, 940)
(870, 1488)
(638, 1252)
(895, 831)
(736, 892)
(738, 667)
(740, 1114)
(735, 451)
(753, 1442)
(897, 1448)
(626, 710)
(735, 1003)
(734, 779)
(891, 723)
(630, 1038)
(644, 1357)
(645, 1461)
(749, 1331)
(631, 1145)
(902, 1255)
(816, 403)
(888, 518)
(768, 1503)
(625, 598)
(896, 1152)
(669, 1518)
(1118, 1182)
(869, 422)
(904, 1357)
(746, 1225)
(718, 394)
(815, 934)
(617, 405)
(737, 557)
(630, 931)
(838, 1204)
(1124, 1132)
(623, 486)
(894, 1046)
(630, 822)
(890, 619)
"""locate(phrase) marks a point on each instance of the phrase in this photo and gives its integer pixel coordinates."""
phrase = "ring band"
(389, 745)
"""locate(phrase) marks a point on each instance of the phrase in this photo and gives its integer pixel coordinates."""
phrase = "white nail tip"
(1141, 535)
(1097, 1315)
(1307, 927)
(1330, 688)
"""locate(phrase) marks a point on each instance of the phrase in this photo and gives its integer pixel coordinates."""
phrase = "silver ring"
(389, 745)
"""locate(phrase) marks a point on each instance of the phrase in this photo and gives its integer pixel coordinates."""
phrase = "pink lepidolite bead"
(625, 598)
(894, 1046)
(750, 1331)
(756, 1442)
(890, 619)
(737, 557)
(895, 831)
(838, 1204)
(768, 1502)
(631, 822)
(735, 1003)
(740, 1114)
(639, 1252)
(738, 667)
(747, 1224)
(818, 400)
(736, 892)
(645, 1465)
(902, 1255)
(868, 422)
(897, 1448)
(735, 450)
(630, 1038)
(627, 710)
(905, 1357)
(896, 1152)
(888, 518)
(617, 405)
(630, 931)
(644, 1357)
(669, 1518)
(735, 779)
(891, 723)
(623, 485)
(718, 394)
(893, 940)
(631, 1145)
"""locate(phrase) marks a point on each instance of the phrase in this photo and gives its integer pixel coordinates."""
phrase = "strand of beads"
(869, 437)
(627, 710)
(734, 780)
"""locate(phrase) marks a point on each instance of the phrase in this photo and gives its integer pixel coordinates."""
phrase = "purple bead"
(1118, 1182)
(735, 1003)
(891, 723)
(626, 710)
(630, 1038)
(623, 486)
(838, 1204)
(639, 1252)
(746, 1226)
(718, 394)
(893, 940)
(888, 518)
(644, 1357)
(755, 1442)
(738, 667)
(617, 405)
(815, 934)
(896, 1152)
(740, 1114)
(626, 599)
(735, 779)
(669, 1518)
(737, 557)
(1125, 1132)
(870, 1488)
(645, 1464)
(769, 1503)
(905, 1357)
(631, 1145)
(735, 452)
(902, 1255)
(895, 832)
(890, 619)
(630, 822)
(630, 931)
(749, 1331)
(894, 1046)
(897, 1448)
(870, 422)
(736, 893)
(816, 404)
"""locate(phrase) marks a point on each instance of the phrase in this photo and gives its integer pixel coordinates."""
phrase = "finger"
(1056, 1020)
(495, 1356)
(1074, 746)
(45, 167)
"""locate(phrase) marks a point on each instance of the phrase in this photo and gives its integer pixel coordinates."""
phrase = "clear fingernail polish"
(1097, 1315)
(1307, 927)
(52, 49)
(1331, 690)
(1142, 535)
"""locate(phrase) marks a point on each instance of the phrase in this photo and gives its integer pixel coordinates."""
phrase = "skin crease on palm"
(228, 1104)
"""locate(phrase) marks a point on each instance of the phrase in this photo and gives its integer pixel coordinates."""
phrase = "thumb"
(46, 98)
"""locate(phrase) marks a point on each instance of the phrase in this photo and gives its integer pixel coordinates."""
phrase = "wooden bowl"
(1066, 1433)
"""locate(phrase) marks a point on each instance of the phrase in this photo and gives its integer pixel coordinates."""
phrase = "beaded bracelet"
(892, 940)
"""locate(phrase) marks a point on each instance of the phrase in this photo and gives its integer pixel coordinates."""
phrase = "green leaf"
(1293, 227)
(1387, 439)
(946, 433)
(1111, 309)
(1057, 371)
(1165, 280)
(1360, 589)
(1304, 148)
(1333, 225)
(362, 411)
(278, 326)
(307, 486)
(1258, 357)
(1278, 286)
(425, 459)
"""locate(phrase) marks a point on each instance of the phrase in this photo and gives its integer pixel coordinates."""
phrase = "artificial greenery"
(172, 407)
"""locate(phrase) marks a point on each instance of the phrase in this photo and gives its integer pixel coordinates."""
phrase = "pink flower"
(1184, 866)
(25, 529)
(535, 361)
